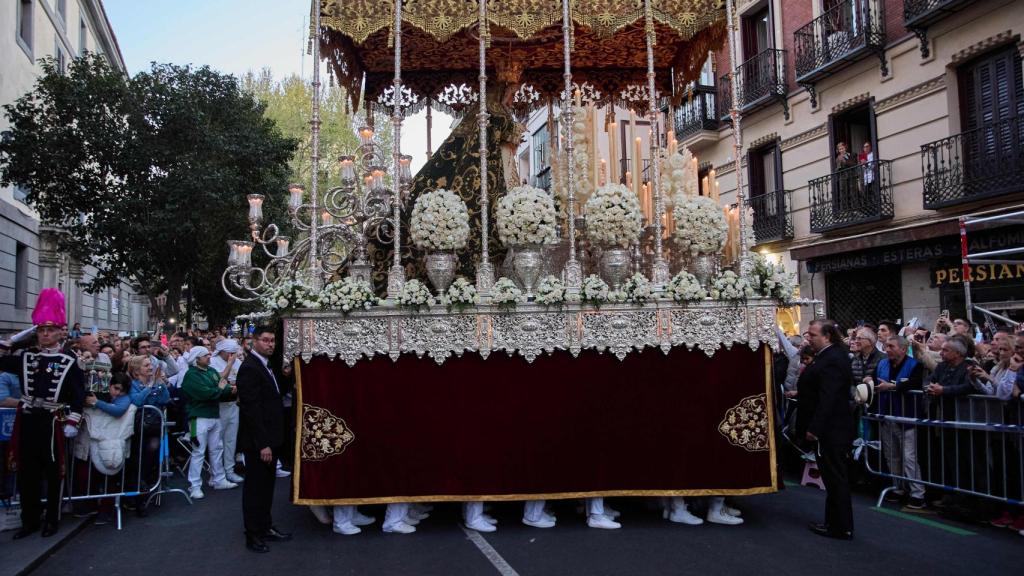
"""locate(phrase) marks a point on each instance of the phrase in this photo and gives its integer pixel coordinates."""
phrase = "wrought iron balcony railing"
(772, 217)
(760, 80)
(697, 113)
(919, 14)
(543, 180)
(851, 196)
(841, 35)
(983, 163)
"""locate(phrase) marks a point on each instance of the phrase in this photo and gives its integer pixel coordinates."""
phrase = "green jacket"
(204, 396)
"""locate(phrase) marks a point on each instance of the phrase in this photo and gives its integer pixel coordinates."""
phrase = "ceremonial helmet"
(49, 310)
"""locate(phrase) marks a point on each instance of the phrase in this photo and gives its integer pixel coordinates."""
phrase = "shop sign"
(952, 274)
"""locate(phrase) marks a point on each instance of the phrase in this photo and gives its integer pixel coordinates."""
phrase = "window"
(757, 33)
(59, 55)
(541, 140)
(21, 276)
(83, 36)
(764, 170)
(24, 35)
(62, 11)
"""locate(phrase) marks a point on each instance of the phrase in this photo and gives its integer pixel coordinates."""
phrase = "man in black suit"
(828, 420)
(260, 438)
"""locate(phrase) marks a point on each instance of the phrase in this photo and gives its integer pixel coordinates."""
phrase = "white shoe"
(232, 477)
(347, 529)
(611, 513)
(416, 514)
(731, 511)
(196, 494)
(282, 473)
(360, 519)
(480, 525)
(489, 519)
(411, 521)
(720, 517)
(542, 523)
(321, 514)
(421, 507)
(548, 516)
(683, 516)
(602, 521)
(400, 528)
(224, 485)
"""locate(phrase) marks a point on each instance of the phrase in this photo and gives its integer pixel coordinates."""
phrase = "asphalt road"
(206, 538)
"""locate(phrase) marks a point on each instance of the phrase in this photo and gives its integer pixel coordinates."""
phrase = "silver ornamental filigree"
(438, 335)
(351, 338)
(615, 264)
(440, 268)
(530, 335)
(619, 330)
(527, 263)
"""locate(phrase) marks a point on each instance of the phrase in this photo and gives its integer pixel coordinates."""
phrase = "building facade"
(29, 258)
(869, 127)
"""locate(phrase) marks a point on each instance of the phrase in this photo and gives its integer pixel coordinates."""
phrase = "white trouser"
(395, 514)
(208, 436)
(229, 432)
(533, 510)
(343, 516)
(715, 504)
(595, 506)
(472, 511)
(899, 444)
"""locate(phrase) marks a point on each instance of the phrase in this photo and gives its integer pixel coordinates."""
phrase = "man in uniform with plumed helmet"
(52, 396)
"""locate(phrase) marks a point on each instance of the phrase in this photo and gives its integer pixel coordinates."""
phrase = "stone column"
(49, 258)
(74, 292)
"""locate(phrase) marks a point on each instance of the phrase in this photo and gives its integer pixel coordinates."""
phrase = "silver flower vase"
(440, 270)
(527, 262)
(615, 265)
(704, 267)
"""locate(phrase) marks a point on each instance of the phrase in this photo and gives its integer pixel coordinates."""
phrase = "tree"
(147, 175)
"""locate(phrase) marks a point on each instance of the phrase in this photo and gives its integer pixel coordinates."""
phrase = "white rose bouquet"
(415, 294)
(289, 295)
(637, 289)
(613, 216)
(729, 286)
(550, 291)
(440, 221)
(348, 295)
(594, 290)
(772, 280)
(526, 215)
(461, 294)
(700, 224)
(506, 294)
(684, 287)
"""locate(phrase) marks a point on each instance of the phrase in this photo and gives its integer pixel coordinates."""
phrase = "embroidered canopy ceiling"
(440, 49)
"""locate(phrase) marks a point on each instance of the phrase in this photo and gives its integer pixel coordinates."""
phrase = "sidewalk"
(19, 557)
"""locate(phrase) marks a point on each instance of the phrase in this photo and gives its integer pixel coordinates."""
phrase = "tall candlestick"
(604, 172)
(629, 179)
(613, 151)
(638, 174)
(595, 168)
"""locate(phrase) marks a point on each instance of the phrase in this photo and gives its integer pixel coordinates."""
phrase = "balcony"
(760, 81)
(919, 14)
(857, 195)
(696, 119)
(772, 218)
(987, 162)
(842, 35)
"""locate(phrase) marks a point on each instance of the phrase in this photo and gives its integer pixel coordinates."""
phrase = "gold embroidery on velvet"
(746, 424)
(323, 434)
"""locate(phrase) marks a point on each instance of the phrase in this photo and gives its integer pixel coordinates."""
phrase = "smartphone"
(944, 314)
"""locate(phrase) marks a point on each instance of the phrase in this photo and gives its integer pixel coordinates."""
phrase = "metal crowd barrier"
(966, 444)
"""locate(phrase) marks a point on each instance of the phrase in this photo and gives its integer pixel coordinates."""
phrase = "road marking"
(490, 553)
(925, 521)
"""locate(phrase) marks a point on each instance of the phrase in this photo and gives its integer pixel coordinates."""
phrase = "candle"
(704, 189)
(295, 192)
(613, 151)
(365, 135)
(717, 191)
(632, 136)
(638, 174)
(595, 168)
(348, 172)
(576, 96)
(282, 246)
(255, 207)
(604, 172)
(629, 179)
(326, 218)
(672, 146)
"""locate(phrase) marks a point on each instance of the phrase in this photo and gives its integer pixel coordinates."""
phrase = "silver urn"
(704, 266)
(615, 265)
(440, 270)
(528, 262)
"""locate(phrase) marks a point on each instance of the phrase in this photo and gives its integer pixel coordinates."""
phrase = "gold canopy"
(440, 43)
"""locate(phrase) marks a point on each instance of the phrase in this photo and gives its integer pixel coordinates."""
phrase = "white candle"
(638, 174)
(604, 172)
(613, 151)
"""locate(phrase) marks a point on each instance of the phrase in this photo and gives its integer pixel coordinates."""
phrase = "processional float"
(614, 377)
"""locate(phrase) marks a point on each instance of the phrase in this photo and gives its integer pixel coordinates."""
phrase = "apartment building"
(869, 127)
(29, 258)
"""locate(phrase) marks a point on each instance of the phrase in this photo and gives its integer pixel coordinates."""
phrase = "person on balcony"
(846, 181)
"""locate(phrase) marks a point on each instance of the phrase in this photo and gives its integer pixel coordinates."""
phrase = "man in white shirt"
(226, 361)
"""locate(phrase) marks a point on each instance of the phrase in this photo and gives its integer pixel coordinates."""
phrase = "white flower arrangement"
(550, 291)
(680, 178)
(506, 294)
(440, 221)
(613, 216)
(348, 295)
(684, 287)
(594, 290)
(526, 215)
(772, 280)
(729, 286)
(288, 295)
(637, 289)
(415, 294)
(460, 294)
(700, 224)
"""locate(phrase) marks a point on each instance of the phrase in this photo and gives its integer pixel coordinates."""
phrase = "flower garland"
(613, 216)
(729, 286)
(637, 289)
(594, 290)
(700, 224)
(506, 294)
(347, 295)
(550, 291)
(415, 295)
(440, 221)
(289, 295)
(460, 295)
(684, 287)
(526, 215)
(772, 280)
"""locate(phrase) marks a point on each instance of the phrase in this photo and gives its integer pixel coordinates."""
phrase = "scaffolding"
(990, 257)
